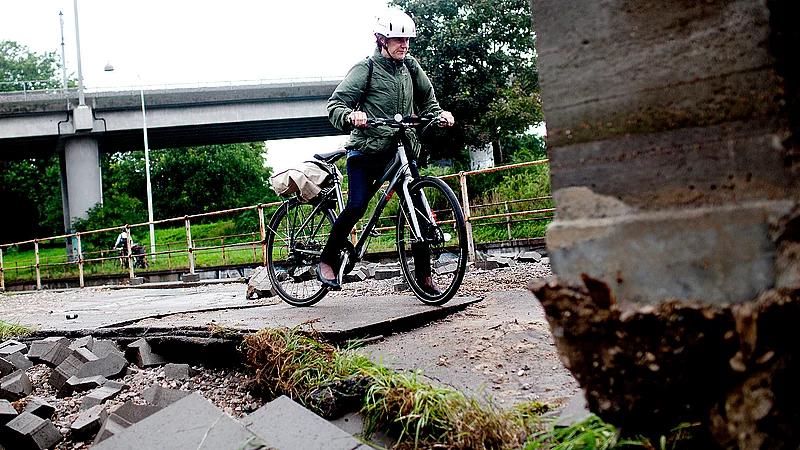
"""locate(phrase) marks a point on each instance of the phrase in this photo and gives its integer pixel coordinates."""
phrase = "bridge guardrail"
(503, 214)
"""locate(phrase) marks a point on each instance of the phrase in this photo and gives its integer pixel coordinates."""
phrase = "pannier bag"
(306, 182)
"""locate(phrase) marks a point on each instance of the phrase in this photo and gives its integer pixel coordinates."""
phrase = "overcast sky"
(200, 41)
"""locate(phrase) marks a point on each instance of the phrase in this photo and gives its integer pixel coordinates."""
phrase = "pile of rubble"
(91, 370)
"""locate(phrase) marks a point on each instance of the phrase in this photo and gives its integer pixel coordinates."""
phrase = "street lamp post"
(110, 68)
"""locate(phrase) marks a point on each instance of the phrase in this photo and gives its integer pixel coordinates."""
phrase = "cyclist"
(388, 83)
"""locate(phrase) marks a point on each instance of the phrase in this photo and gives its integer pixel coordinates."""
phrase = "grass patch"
(417, 413)
(10, 330)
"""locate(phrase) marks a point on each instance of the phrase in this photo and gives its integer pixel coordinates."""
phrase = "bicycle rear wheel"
(296, 235)
(443, 254)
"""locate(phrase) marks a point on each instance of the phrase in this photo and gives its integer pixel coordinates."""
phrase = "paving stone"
(112, 365)
(88, 423)
(174, 371)
(7, 412)
(63, 372)
(86, 342)
(161, 396)
(86, 383)
(123, 417)
(384, 273)
(355, 276)
(15, 386)
(402, 287)
(193, 423)
(103, 348)
(6, 367)
(11, 346)
(84, 354)
(352, 423)
(40, 407)
(530, 256)
(140, 353)
(19, 360)
(285, 424)
(27, 431)
(487, 265)
(98, 396)
(51, 351)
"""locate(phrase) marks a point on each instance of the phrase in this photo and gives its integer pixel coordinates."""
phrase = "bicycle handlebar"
(398, 121)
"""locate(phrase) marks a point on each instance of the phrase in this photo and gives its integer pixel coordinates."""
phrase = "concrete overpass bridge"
(40, 125)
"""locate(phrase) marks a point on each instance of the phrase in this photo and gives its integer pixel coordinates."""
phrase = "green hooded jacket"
(396, 87)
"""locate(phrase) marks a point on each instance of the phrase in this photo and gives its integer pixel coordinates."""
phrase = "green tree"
(479, 55)
(19, 67)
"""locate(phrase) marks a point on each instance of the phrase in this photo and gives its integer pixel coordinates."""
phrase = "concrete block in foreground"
(51, 351)
(174, 371)
(18, 360)
(15, 386)
(287, 425)
(98, 396)
(11, 346)
(27, 431)
(192, 423)
(112, 365)
(6, 367)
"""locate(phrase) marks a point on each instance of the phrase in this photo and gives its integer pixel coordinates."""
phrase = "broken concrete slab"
(27, 431)
(140, 353)
(15, 386)
(40, 407)
(86, 342)
(530, 256)
(7, 412)
(98, 396)
(287, 425)
(88, 423)
(193, 422)
(161, 396)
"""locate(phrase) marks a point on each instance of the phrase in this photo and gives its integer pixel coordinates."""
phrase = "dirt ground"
(500, 347)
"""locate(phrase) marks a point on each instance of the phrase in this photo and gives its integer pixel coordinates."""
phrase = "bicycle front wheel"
(296, 235)
(440, 253)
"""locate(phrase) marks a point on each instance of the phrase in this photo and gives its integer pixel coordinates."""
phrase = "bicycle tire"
(293, 254)
(447, 258)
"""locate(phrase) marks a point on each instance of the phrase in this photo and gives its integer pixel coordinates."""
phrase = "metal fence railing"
(183, 251)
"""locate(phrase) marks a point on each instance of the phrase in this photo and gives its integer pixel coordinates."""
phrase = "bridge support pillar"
(80, 178)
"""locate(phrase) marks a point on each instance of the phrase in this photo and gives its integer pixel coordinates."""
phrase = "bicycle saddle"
(331, 157)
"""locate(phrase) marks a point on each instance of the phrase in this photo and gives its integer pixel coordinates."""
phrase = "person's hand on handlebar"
(358, 118)
(448, 116)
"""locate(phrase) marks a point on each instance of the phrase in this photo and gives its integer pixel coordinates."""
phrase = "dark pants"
(363, 174)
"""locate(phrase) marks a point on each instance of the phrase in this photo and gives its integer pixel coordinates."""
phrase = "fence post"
(169, 256)
(80, 259)
(189, 248)
(222, 243)
(462, 178)
(263, 230)
(38, 269)
(2, 273)
(508, 220)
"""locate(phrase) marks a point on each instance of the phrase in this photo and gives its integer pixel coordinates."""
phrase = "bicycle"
(430, 224)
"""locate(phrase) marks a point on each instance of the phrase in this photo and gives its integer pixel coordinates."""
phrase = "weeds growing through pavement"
(10, 330)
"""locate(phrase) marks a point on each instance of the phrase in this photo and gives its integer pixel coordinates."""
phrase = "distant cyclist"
(387, 83)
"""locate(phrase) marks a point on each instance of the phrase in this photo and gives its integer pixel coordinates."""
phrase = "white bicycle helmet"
(394, 23)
